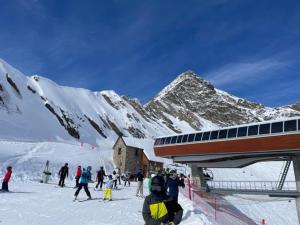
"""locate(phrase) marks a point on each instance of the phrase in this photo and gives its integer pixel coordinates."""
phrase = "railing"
(251, 185)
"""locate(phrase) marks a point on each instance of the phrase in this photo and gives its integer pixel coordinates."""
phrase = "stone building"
(133, 154)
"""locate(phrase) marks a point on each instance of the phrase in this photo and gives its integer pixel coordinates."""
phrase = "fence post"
(189, 186)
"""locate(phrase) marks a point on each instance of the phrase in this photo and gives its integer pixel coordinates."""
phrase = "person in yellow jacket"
(108, 188)
(160, 209)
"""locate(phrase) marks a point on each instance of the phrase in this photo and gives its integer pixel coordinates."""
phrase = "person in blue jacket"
(85, 178)
(173, 184)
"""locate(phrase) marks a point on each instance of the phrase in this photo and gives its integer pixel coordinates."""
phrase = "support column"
(296, 164)
(197, 176)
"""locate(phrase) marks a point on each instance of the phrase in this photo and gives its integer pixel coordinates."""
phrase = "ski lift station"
(237, 147)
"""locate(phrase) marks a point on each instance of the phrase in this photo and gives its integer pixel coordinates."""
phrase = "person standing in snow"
(119, 175)
(115, 180)
(6, 178)
(108, 188)
(85, 178)
(100, 177)
(126, 178)
(77, 176)
(63, 173)
(158, 208)
(173, 184)
(140, 187)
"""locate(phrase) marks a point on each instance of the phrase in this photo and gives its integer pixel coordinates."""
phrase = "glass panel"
(214, 135)
(264, 128)
(298, 124)
(191, 137)
(222, 134)
(156, 141)
(253, 130)
(205, 136)
(168, 140)
(277, 127)
(162, 141)
(179, 139)
(184, 139)
(198, 137)
(232, 132)
(173, 140)
(242, 131)
(290, 125)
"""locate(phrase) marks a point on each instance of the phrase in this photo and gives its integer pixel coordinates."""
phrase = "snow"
(46, 204)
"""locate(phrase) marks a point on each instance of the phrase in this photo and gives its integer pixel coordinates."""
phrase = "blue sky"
(246, 47)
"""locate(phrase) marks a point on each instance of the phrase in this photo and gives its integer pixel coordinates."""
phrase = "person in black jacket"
(64, 172)
(158, 208)
(100, 177)
(140, 187)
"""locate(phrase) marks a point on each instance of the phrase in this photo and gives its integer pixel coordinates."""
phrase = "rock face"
(37, 108)
(189, 98)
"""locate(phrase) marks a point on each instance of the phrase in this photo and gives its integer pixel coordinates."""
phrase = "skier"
(115, 179)
(126, 178)
(140, 187)
(173, 184)
(77, 176)
(100, 177)
(108, 188)
(64, 172)
(85, 178)
(158, 208)
(6, 178)
(119, 175)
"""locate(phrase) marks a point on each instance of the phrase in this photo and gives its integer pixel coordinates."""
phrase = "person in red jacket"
(77, 176)
(6, 179)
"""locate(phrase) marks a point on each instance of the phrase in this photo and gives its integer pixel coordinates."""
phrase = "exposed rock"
(96, 126)
(31, 89)
(13, 85)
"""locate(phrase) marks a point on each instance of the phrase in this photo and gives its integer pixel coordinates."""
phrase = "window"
(156, 141)
(298, 124)
(253, 130)
(242, 131)
(205, 136)
(232, 133)
(223, 134)
(277, 127)
(191, 137)
(198, 137)
(264, 128)
(173, 140)
(136, 152)
(168, 140)
(179, 138)
(162, 141)
(290, 125)
(214, 135)
(119, 151)
(184, 138)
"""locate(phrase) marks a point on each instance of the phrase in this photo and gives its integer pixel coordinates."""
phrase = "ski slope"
(33, 203)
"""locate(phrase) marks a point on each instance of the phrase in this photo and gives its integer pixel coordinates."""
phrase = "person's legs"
(86, 189)
(78, 190)
(77, 181)
(101, 183)
(109, 194)
(105, 193)
(5, 186)
(97, 185)
(60, 181)
(63, 181)
(138, 189)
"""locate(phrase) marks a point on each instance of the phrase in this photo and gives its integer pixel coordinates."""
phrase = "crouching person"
(159, 209)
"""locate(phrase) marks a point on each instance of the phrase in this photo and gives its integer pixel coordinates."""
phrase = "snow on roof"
(147, 146)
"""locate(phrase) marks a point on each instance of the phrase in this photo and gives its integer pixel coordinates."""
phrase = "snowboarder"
(64, 172)
(173, 184)
(158, 208)
(85, 178)
(115, 179)
(108, 188)
(77, 176)
(6, 178)
(140, 187)
(100, 177)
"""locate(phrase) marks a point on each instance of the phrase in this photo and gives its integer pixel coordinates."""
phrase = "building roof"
(147, 146)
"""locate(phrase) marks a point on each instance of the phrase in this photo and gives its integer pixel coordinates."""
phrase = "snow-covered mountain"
(37, 108)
